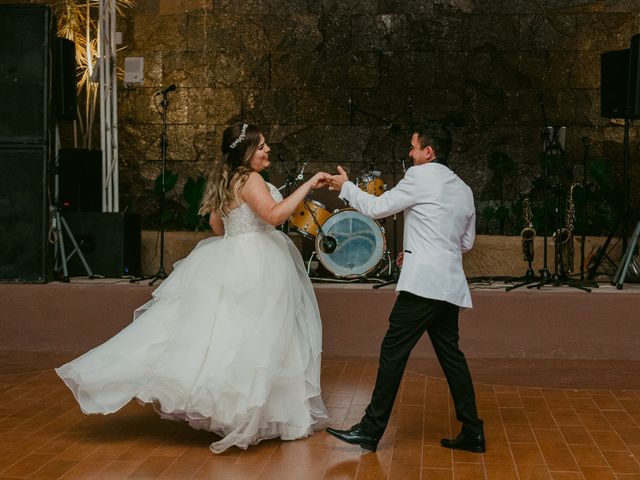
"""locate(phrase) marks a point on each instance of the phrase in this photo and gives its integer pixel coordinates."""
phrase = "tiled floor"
(532, 433)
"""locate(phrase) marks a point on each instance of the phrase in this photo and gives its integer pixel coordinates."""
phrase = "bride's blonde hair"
(239, 142)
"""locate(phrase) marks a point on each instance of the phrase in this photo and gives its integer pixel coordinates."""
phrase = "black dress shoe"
(355, 436)
(471, 442)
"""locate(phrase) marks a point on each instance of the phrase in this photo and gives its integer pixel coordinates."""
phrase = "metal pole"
(101, 76)
(114, 110)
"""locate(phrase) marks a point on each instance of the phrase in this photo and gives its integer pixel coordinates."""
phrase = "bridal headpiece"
(239, 140)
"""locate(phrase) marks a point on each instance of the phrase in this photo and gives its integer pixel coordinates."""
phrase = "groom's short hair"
(435, 134)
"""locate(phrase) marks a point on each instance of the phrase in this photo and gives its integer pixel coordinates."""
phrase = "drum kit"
(358, 244)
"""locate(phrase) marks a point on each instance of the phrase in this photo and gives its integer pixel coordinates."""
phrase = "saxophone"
(528, 233)
(563, 238)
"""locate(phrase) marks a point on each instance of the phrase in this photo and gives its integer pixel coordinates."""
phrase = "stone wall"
(341, 82)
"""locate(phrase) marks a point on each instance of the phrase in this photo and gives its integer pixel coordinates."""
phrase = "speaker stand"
(58, 223)
(627, 258)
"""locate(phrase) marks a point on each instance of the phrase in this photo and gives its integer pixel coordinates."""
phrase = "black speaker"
(110, 243)
(26, 33)
(619, 75)
(614, 76)
(23, 213)
(64, 75)
(80, 176)
(634, 77)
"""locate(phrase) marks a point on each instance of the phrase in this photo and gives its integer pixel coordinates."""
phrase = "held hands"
(336, 181)
(319, 180)
(400, 259)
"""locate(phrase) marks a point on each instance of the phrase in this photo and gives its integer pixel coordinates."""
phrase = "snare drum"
(360, 244)
(302, 221)
(371, 182)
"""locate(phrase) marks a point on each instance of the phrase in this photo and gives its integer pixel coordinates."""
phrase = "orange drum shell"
(302, 221)
(374, 186)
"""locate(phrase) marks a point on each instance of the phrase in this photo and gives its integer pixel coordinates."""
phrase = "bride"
(231, 340)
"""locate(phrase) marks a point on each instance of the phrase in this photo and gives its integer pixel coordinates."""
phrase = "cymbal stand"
(329, 243)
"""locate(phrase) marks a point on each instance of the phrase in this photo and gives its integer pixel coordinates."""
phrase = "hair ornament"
(239, 140)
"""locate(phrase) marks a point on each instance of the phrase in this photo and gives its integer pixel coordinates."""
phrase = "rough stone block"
(269, 106)
(172, 7)
(499, 31)
(214, 106)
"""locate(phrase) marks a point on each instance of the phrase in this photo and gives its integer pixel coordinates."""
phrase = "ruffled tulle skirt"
(230, 343)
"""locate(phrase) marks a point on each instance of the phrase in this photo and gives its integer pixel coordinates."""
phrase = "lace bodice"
(242, 219)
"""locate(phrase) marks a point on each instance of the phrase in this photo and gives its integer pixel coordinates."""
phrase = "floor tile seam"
(265, 463)
(536, 443)
(424, 419)
(23, 458)
(615, 431)
(613, 469)
(44, 425)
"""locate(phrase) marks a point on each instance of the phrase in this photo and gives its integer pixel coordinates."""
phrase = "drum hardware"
(371, 182)
(360, 246)
(328, 243)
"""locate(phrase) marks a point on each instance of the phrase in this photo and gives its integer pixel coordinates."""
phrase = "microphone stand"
(583, 213)
(161, 274)
(552, 149)
(395, 270)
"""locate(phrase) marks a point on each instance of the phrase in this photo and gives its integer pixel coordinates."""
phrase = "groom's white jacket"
(439, 226)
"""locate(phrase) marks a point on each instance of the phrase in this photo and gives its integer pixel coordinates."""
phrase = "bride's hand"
(319, 180)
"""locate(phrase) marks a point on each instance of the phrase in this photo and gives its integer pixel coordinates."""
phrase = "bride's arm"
(216, 224)
(256, 194)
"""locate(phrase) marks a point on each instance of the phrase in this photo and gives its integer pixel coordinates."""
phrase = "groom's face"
(418, 154)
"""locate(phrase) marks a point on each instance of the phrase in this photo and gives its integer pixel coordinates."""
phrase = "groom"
(439, 226)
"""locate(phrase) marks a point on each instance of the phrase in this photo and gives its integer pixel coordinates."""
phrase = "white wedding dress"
(230, 342)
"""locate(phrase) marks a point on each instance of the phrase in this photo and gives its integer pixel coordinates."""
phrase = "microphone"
(170, 88)
(328, 244)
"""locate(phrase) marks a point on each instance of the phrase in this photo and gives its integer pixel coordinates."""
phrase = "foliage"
(184, 213)
(78, 22)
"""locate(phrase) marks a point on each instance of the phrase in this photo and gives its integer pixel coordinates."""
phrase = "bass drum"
(361, 244)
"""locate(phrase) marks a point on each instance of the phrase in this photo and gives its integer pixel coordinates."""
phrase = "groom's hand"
(336, 181)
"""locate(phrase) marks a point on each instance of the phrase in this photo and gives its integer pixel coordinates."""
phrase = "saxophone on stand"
(563, 237)
(528, 235)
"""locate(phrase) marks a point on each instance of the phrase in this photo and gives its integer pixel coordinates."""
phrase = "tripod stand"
(161, 274)
(555, 279)
(553, 150)
(630, 253)
(59, 225)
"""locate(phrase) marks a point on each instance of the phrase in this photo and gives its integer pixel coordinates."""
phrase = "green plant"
(184, 213)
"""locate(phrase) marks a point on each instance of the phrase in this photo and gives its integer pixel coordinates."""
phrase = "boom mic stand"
(161, 274)
(583, 214)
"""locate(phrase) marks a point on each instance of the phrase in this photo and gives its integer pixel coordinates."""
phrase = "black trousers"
(410, 317)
